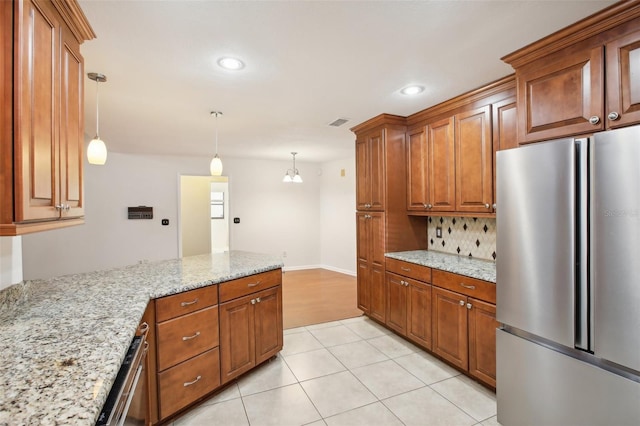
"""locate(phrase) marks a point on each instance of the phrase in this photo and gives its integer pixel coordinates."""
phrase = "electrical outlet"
(438, 232)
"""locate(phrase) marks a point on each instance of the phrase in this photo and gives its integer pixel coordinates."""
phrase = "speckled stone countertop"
(62, 340)
(463, 265)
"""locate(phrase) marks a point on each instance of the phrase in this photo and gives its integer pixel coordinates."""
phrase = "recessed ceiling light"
(230, 63)
(412, 90)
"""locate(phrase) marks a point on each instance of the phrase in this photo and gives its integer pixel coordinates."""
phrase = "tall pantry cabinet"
(42, 98)
(382, 223)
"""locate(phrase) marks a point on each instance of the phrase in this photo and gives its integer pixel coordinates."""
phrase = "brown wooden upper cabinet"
(42, 160)
(581, 79)
(370, 171)
(449, 164)
(431, 167)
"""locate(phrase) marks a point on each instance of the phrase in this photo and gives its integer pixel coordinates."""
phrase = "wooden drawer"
(408, 269)
(183, 303)
(479, 289)
(243, 286)
(184, 337)
(185, 383)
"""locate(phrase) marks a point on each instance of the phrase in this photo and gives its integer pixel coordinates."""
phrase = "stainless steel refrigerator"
(568, 281)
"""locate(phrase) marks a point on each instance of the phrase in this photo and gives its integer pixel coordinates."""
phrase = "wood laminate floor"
(314, 296)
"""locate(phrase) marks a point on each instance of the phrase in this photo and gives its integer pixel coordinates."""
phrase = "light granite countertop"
(462, 265)
(62, 340)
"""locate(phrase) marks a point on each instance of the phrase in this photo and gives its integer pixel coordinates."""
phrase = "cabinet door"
(36, 100)
(377, 293)
(505, 130)
(474, 161)
(450, 335)
(377, 234)
(268, 323)
(419, 313)
(558, 99)
(363, 280)
(237, 338)
(482, 340)
(623, 80)
(396, 303)
(417, 170)
(363, 236)
(71, 126)
(370, 171)
(363, 172)
(6, 112)
(442, 185)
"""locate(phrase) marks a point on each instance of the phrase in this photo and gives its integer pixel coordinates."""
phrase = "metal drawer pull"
(405, 269)
(190, 383)
(191, 337)
(254, 284)
(144, 327)
(183, 304)
(470, 287)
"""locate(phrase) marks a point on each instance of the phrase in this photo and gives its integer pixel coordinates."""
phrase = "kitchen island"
(63, 339)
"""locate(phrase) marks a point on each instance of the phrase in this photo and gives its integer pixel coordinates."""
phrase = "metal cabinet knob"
(495, 206)
(426, 206)
(594, 119)
(613, 116)
(487, 206)
(258, 300)
(469, 305)
(429, 206)
(462, 303)
(253, 301)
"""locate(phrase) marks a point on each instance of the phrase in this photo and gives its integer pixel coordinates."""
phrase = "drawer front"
(408, 269)
(185, 383)
(244, 286)
(184, 337)
(479, 289)
(183, 303)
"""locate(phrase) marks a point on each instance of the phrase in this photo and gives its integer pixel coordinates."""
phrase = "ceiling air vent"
(338, 122)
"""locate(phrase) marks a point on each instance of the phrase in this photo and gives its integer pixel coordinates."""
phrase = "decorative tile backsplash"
(465, 236)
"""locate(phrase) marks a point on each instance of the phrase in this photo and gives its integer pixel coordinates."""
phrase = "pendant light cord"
(97, 109)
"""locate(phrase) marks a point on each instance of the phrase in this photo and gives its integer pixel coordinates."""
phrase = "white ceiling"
(307, 63)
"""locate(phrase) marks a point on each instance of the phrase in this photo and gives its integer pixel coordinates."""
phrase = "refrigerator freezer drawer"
(559, 390)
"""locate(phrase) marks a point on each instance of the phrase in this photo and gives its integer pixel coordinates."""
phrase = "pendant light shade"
(292, 175)
(97, 150)
(216, 163)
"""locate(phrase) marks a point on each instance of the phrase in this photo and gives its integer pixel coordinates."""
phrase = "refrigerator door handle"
(583, 329)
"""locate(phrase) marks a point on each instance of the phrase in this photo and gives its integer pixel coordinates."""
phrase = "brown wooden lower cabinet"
(409, 308)
(206, 337)
(250, 331)
(453, 316)
(482, 341)
(464, 333)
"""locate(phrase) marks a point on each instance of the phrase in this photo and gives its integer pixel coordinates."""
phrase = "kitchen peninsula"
(63, 339)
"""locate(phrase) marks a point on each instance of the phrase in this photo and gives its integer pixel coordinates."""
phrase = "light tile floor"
(350, 372)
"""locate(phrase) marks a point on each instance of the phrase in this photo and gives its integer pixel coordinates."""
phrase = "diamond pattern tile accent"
(473, 237)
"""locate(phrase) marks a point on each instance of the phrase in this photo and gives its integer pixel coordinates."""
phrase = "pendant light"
(292, 175)
(97, 150)
(216, 163)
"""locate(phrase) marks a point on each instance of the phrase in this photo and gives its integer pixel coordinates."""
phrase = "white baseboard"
(330, 268)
